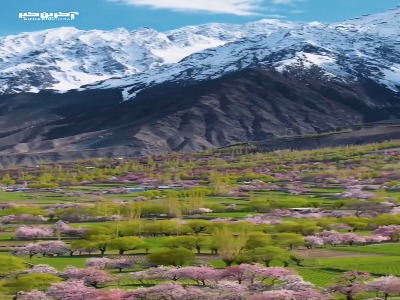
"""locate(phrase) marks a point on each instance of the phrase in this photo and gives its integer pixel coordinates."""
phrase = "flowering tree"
(231, 290)
(42, 269)
(72, 290)
(22, 218)
(296, 283)
(167, 291)
(275, 273)
(390, 231)
(64, 228)
(241, 273)
(313, 241)
(33, 232)
(7, 205)
(352, 238)
(90, 276)
(44, 248)
(33, 295)
(120, 264)
(351, 284)
(388, 286)
(148, 274)
(98, 263)
(357, 193)
(274, 295)
(284, 294)
(201, 275)
(337, 238)
(373, 239)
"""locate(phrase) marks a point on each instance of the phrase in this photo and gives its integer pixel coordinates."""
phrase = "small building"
(164, 187)
(136, 189)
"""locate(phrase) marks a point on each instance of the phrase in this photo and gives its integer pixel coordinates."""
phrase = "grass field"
(320, 266)
(379, 260)
(388, 249)
(376, 265)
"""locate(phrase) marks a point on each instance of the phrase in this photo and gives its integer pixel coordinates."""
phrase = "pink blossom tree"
(90, 276)
(390, 231)
(351, 284)
(167, 291)
(44, 248)
(120, 264)
(352, 239)
(388, 286)
(284, 294)
(77, 290)
(42, 269)
(66, 229)
(374, 239)
(313, 241)
(144, 275)
(237, 273)
(201, 275)
(274, 295)
(275, 273)
(225, 289)
(33, 232)
(32, 295)
(98, 263)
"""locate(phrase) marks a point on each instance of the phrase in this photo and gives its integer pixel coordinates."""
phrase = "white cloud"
(286, 1)
(234, 7)
(283, 1)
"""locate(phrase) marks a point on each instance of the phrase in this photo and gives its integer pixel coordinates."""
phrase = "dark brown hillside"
(250, 105)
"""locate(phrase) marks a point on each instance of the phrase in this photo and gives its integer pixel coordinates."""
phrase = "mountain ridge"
(275, 83)
(66, 58)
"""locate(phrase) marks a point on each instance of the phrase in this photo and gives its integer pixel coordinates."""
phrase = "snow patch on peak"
(67, 58)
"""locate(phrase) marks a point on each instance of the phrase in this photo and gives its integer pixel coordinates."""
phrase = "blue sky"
(169, 14)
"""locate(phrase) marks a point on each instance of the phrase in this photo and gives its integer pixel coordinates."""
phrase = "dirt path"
(325, 253)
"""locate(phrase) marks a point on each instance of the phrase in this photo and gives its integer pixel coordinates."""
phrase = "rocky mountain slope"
(226, 84)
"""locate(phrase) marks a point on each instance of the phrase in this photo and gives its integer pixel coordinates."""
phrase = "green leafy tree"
(83, 246)
(290, 240)
(7, 180)
(199, 226)
(126, 243)
(269, 254)
(9, 264)
(28, 282)
(187, 242)
(229, 245)
(257, 240)
(101, 242)
(172, 257)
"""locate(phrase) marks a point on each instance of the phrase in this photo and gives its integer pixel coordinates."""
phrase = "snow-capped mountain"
(196, 87)
(66, 58)
(366, 47)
